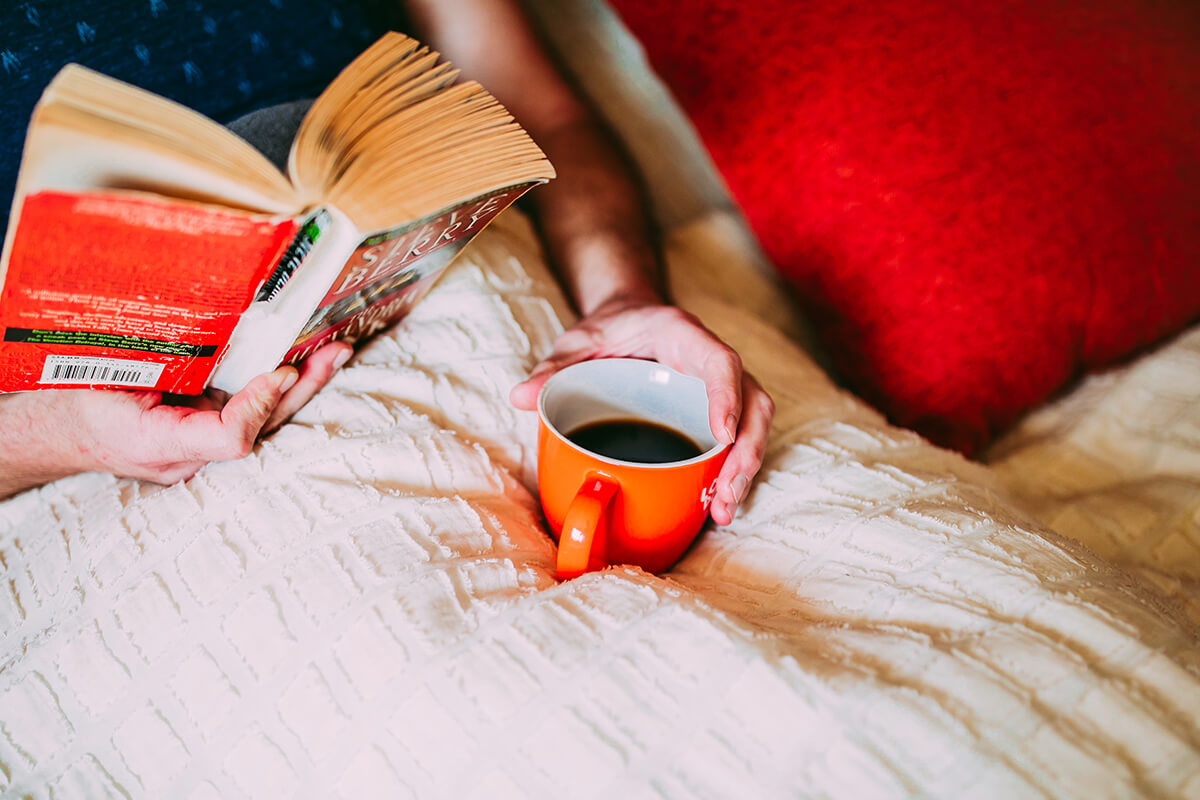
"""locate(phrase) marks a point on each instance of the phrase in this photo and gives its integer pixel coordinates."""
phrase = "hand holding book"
(142, 434)
(152, 248)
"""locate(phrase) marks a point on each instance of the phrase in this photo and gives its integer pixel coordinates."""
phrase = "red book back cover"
(123, 290)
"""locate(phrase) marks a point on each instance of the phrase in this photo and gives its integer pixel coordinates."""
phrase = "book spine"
(307, 237)
(268, 327)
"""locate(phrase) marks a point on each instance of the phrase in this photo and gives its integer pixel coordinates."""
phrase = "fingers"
(168, 438)
(231, 432)
(265, 402)
(137, 435)
(746, 455)
(315, 372)
(524, 394)
(739, 410)
(679, 340)
(723, 379)
(663, 333)
(183, 437)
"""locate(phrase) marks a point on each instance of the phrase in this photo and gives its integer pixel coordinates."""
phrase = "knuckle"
(230, 450)
(727, 360)
(178, 473)
(748, 461)
(767, 403)
(240, 448)
(263, 406)
(750, 456)
(677, 316)
(576, 339)
(673, 313)
(734, 360)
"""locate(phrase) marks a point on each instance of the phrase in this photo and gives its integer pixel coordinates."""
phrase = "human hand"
(147, 435)
(739, 410)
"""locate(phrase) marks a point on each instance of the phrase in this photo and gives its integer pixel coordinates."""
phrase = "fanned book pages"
(149, 247)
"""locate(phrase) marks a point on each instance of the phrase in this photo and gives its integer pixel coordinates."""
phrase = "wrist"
(37, 447)
(607, 267)
(625, 299)
(594, 220)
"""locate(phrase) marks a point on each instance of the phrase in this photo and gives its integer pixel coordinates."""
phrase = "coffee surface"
(635, 440)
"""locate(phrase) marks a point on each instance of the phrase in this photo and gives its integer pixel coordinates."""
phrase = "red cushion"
(977, 200)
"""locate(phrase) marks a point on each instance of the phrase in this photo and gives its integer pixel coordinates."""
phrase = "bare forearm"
(54, 433)
(594, 222)
(33, 450)
(592, 217)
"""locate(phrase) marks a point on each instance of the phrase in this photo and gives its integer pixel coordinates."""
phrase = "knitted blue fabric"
(223, 58)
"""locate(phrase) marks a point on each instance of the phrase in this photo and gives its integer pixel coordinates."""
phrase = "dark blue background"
(223, 58)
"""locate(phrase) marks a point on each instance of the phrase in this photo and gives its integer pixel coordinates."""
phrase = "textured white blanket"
(365, 607)
(1116, 465)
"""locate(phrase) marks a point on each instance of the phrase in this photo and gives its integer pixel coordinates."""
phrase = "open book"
(150, 247)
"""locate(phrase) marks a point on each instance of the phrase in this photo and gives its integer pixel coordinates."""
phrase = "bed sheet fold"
(366, 607)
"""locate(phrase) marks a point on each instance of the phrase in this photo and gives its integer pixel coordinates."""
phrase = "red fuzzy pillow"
(978, 201)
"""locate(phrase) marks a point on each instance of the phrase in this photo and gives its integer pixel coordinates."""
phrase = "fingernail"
(739, 484)
(730, 428)
(289, 381)
(341, 360)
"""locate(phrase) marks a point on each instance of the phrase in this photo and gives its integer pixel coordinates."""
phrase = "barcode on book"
(75, 370)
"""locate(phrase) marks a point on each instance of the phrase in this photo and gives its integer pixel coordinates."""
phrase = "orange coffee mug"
(627, 464)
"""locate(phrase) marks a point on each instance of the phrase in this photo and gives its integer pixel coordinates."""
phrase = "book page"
(62, 157)
(395, 139)
(123, 124)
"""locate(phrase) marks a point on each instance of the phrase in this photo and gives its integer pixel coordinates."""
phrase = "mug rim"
(544, 419)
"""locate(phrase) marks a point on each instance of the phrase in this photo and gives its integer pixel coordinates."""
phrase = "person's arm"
(50, 434)
(596, 228)
(592, 216)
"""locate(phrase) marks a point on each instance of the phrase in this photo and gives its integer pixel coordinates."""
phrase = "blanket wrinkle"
(1114, 464)
(366, 606)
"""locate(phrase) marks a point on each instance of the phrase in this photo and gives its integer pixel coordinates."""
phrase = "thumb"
(248, 410)
(524, 395)
(574, 345)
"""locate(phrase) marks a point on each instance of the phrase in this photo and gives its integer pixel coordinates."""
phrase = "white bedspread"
(1116, 465)
(365, 607)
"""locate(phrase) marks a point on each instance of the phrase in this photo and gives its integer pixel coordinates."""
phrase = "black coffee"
(635, 440)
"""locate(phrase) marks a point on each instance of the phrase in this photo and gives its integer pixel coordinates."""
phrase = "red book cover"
(128, 291)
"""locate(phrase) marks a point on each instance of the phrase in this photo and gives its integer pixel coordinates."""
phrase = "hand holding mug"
(627, 463)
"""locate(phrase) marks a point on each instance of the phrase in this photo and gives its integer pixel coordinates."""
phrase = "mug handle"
(581, 543)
